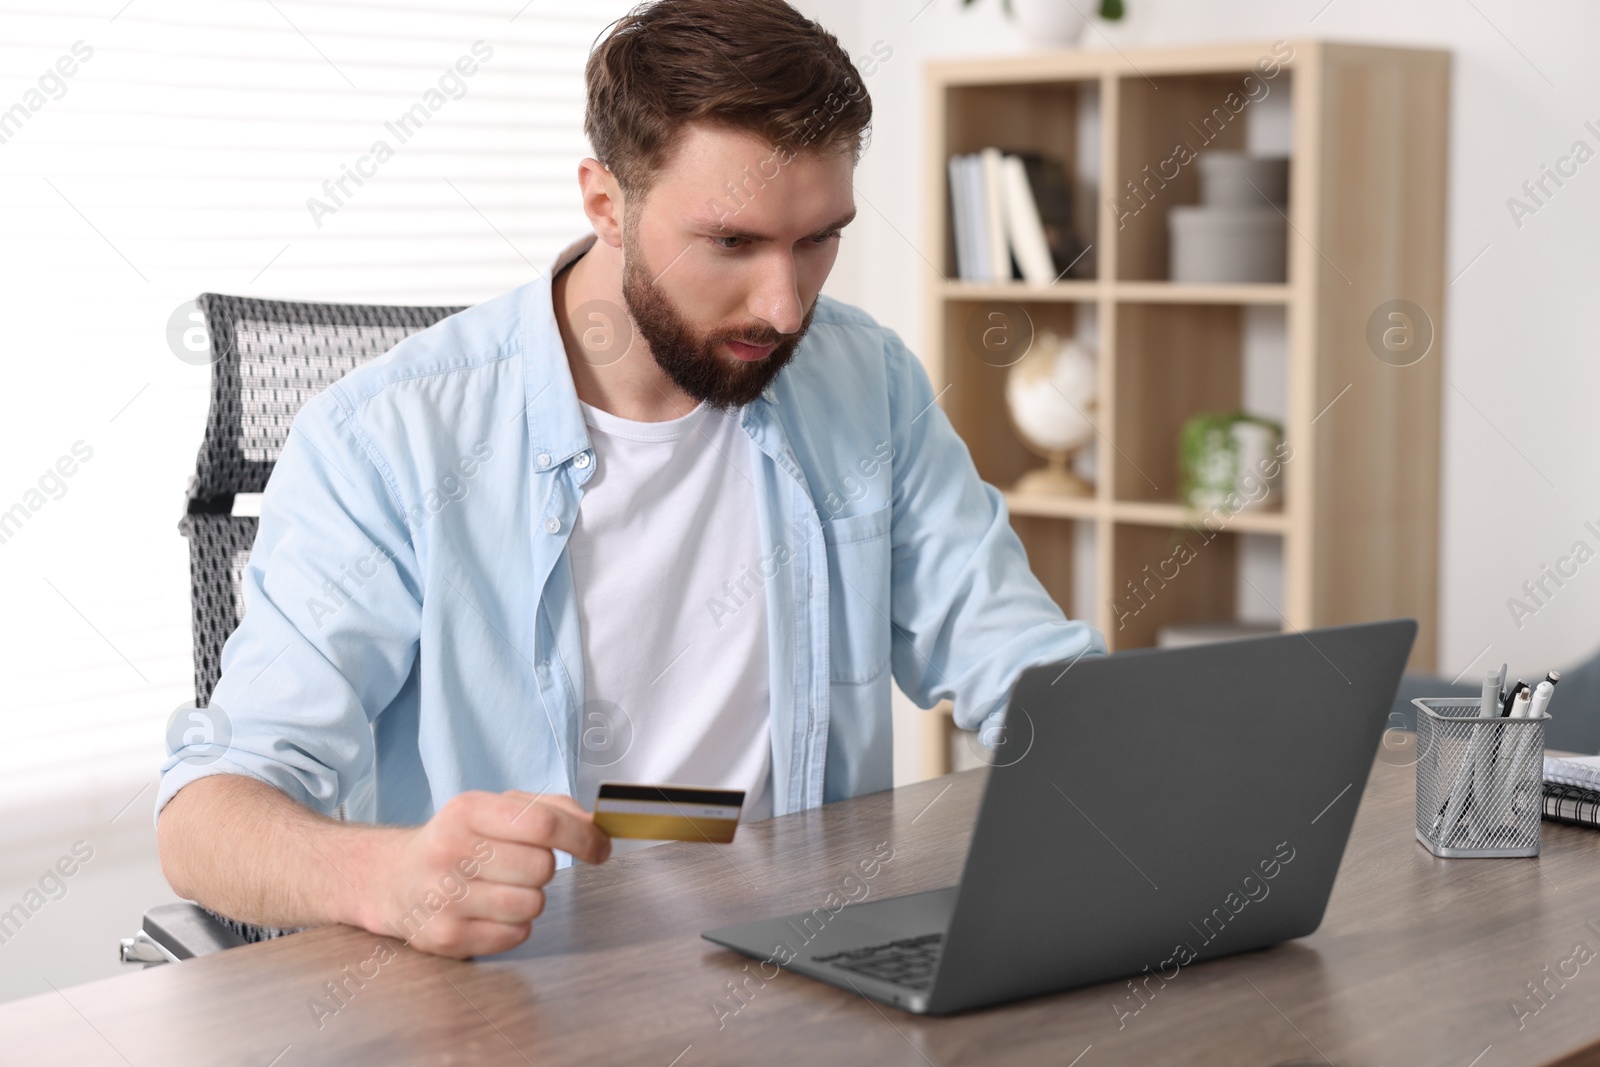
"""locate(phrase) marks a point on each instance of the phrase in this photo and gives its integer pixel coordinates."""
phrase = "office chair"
(268, 358)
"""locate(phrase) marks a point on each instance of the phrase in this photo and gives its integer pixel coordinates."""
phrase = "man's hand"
(469, 881)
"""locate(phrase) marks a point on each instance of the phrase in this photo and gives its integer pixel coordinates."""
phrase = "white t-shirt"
(674, 647)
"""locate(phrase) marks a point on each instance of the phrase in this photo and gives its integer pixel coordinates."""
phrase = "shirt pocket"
(858, 600)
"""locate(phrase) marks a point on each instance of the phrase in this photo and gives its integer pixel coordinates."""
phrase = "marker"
(1511, 697)
(1491, 696)
(1522, 702)
(1541, 698)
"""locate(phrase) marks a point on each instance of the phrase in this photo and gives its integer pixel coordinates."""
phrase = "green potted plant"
(1055, 22)
(1230, 459)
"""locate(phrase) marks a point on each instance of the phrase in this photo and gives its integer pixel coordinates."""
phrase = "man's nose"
(776, 300)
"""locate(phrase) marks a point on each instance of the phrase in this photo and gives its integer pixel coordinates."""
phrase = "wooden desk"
(1416, 962)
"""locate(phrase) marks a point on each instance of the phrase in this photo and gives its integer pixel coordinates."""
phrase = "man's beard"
(692, 360)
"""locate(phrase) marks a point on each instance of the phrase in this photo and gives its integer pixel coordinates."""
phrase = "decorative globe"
(1050, 394)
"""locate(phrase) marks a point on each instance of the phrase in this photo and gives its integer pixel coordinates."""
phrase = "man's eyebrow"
(718, 227)
(843, 220)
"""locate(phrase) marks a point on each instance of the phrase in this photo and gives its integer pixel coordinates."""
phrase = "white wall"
(1521, 440)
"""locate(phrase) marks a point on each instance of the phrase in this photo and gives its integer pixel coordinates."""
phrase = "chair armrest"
(187, 930)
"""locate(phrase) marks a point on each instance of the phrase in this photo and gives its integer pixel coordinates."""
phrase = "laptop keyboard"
(909, 962)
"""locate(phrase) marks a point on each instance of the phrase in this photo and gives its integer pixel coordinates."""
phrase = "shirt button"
(582, 461)
(544, 459)
(552, 525)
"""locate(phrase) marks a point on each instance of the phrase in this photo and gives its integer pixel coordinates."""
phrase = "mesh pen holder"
(1480, 782)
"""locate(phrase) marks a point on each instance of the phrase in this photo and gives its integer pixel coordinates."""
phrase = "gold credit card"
(668, 813)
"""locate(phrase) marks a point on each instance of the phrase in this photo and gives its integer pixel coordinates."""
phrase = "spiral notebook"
(1572, 790)
(1581, 771)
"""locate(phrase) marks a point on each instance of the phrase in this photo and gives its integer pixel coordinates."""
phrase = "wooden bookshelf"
(1368, 130)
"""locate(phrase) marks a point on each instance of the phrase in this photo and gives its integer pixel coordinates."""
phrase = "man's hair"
(751, 65)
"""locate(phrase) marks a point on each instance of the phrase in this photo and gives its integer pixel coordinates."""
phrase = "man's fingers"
(559, 799)
(479, 937)
(502, 903)
(515, 863)
(543, 821)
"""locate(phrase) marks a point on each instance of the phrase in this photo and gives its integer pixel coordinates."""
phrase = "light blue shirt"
(411, 629)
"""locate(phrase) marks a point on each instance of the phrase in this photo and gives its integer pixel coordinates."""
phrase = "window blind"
(336, 150)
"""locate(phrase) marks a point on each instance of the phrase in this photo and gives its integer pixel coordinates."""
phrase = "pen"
(1496, 779)
(1531, 708)
(1489, 780)
(1445, 825)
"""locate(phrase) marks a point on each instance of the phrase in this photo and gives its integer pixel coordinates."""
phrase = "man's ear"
(602, 200)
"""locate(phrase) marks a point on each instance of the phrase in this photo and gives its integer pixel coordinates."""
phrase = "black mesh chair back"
(268, 358)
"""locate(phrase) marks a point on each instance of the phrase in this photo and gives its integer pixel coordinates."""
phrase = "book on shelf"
(1012, 218)
(971, 218)
(1572, 790)
(991, 169)
(1024, 229)
(1052, 196)
(961, 222)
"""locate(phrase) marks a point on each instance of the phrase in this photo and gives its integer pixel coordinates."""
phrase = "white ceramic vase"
(1051, 23)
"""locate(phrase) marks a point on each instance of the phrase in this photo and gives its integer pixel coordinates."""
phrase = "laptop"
(1146, 811)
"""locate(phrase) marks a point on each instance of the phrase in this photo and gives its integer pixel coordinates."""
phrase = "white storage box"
(1235, 179)
(1216, 244)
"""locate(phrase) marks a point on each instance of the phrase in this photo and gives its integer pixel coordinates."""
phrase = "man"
(549, 542)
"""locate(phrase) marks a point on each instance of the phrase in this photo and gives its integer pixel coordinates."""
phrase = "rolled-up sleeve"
(332, 615)
(969, 615)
